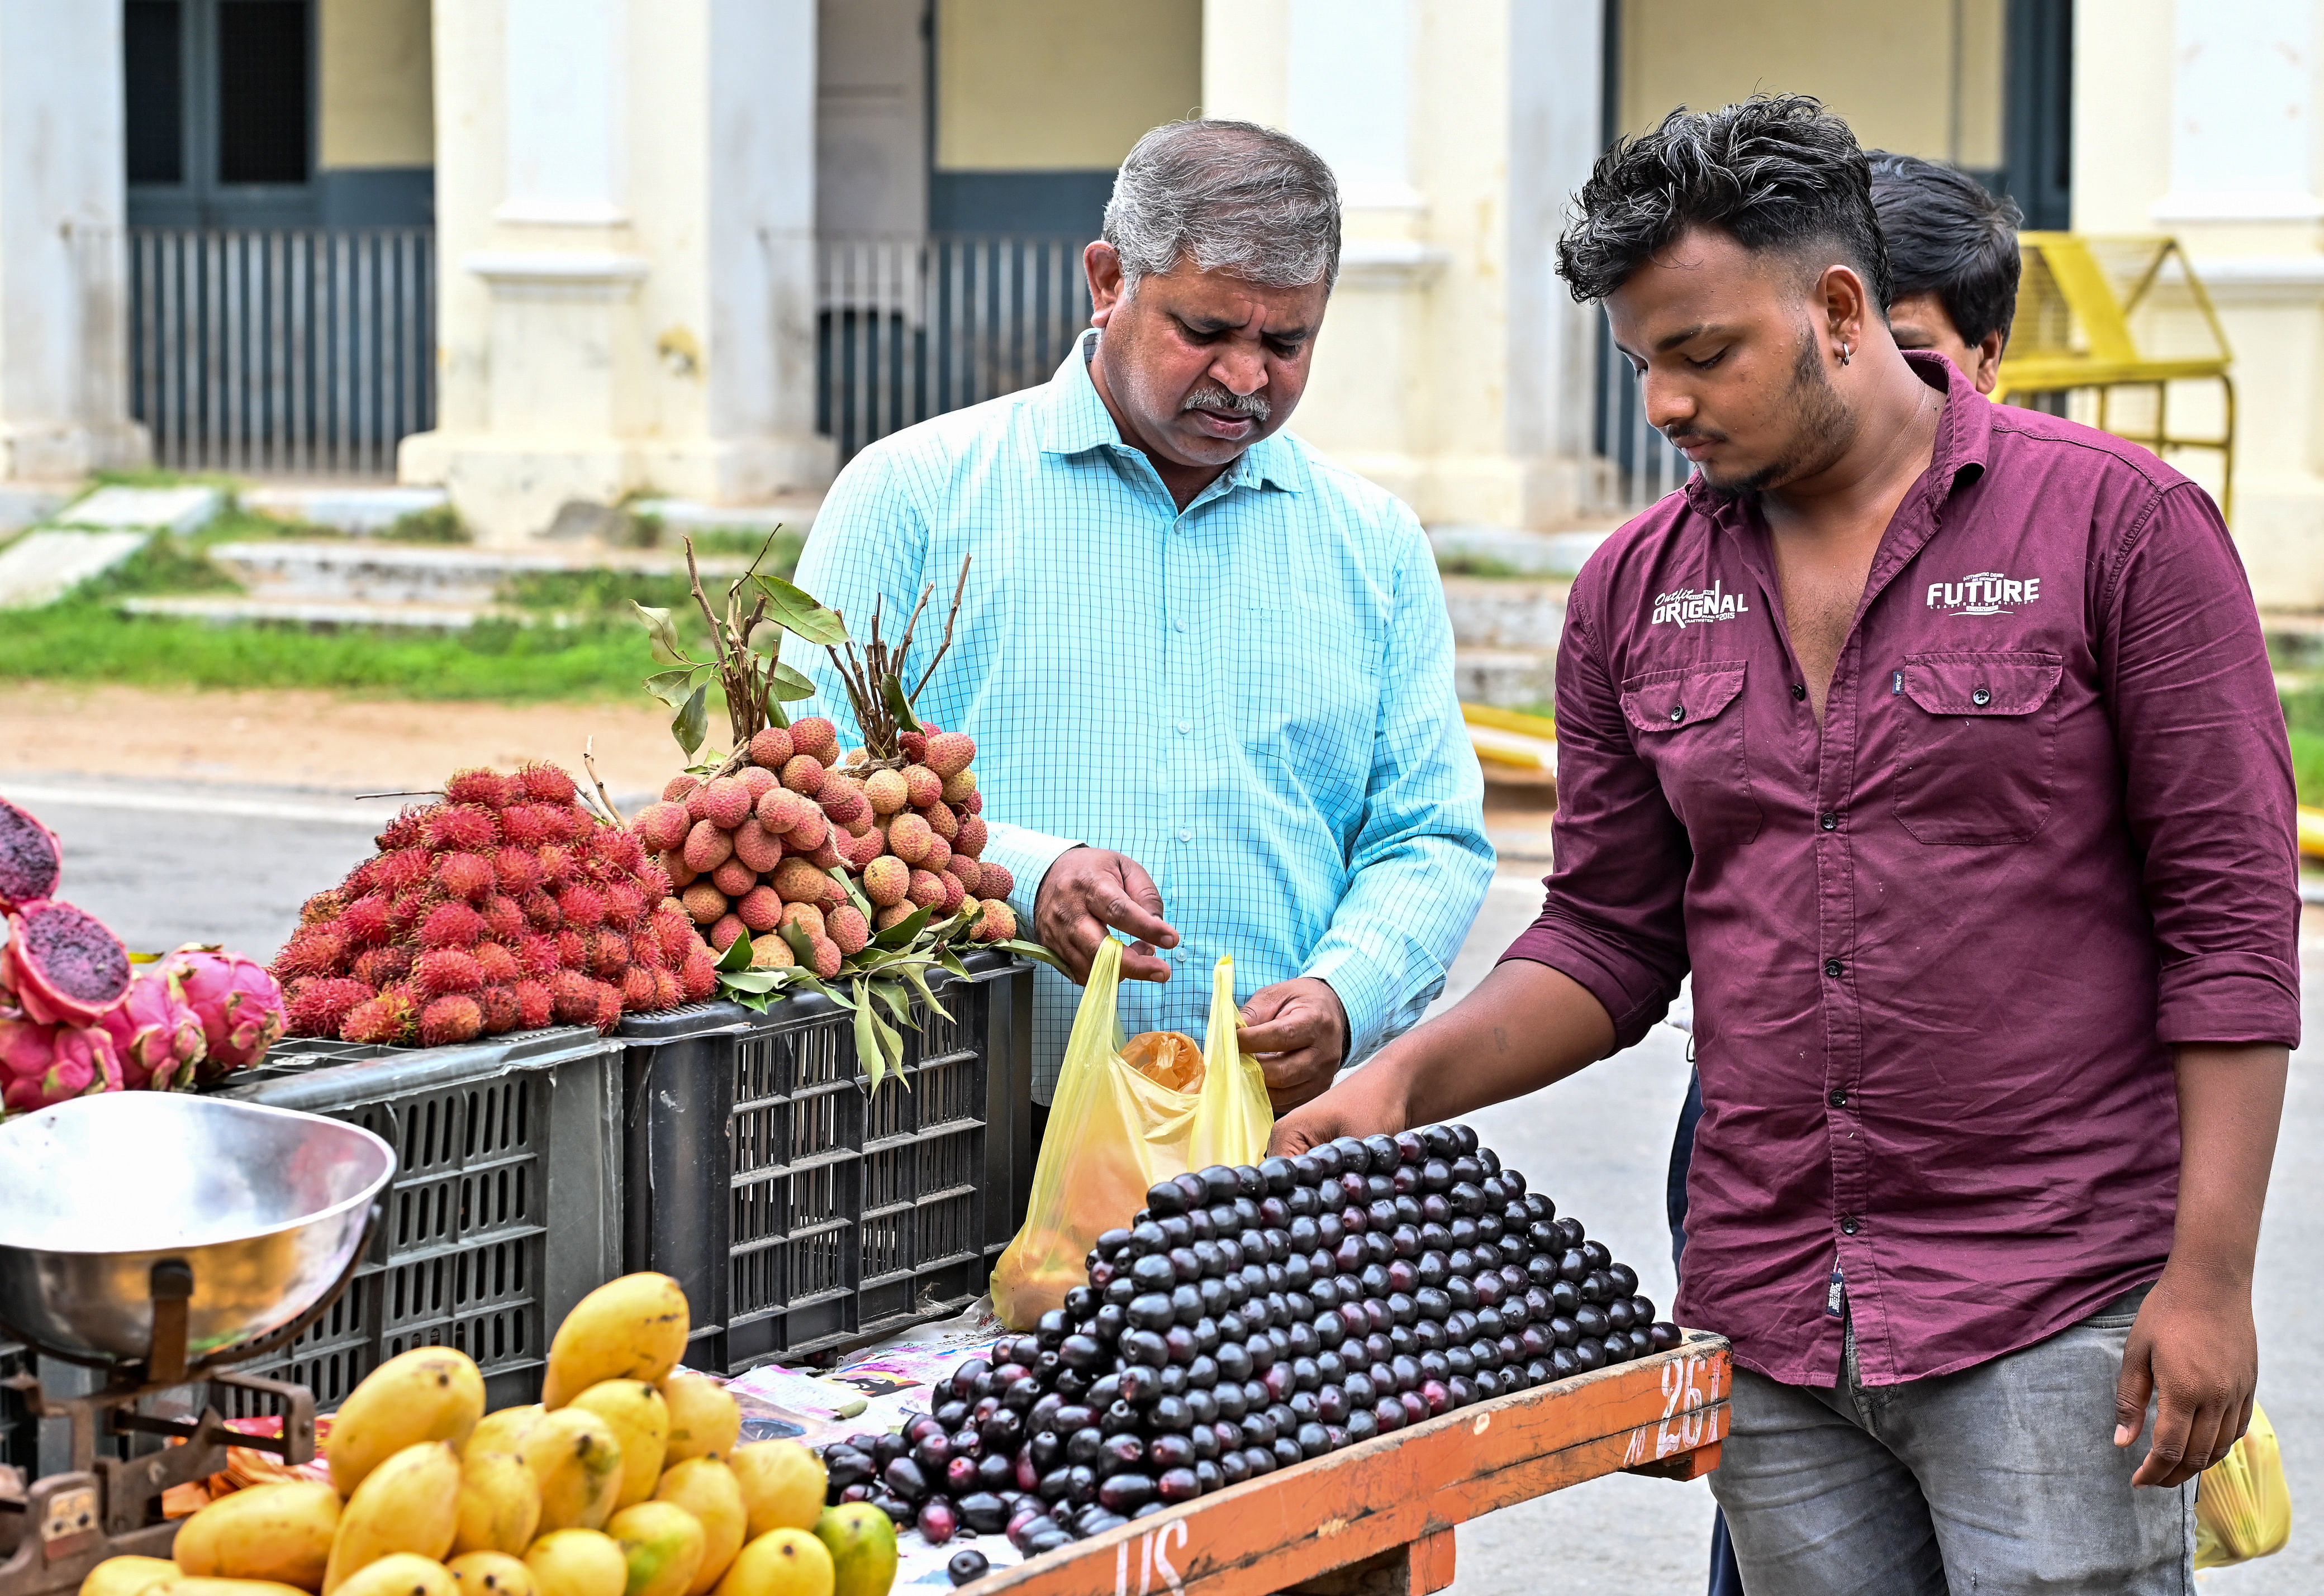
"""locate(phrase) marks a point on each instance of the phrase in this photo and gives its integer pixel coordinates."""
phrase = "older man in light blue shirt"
(1208, 670)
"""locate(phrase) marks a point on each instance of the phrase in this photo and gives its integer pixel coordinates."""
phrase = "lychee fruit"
(734, 879)
(825, 856)
(809, 834)
(910, 837)
(771, 952)
(804, 774)
(385, 1020)
(942, 820)
(465, 874)
(680, 872)
(448, 1020)
(807, 917)
(704, 903)
(922, 787)
(724, 929)
(860, 851)
(997, 923)
(707, 846)
(759, 779)
(846, 926)
(893, 914)
(771, 748)
(698, 977)
(842, 803)
(759, 908)
(827, 957)
(759, 849)
(927, 890)
(969, 873)
(468, 828)
(938, 856)
(959, 785)
(536, 1006)
(725, 800)
(487, 787)
(451, 925)
(678, 788)
(914, 746)
(497, 963)
(780, 809)
(887, 790)
(955, 893)
(799, 881)
(949, 753)
(971, 840)
(886, 879)
(817, 736)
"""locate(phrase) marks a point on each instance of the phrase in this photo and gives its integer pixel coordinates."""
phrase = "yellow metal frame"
(2109, 358)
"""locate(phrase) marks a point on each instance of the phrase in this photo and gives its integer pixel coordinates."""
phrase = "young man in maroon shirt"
(1939, 740)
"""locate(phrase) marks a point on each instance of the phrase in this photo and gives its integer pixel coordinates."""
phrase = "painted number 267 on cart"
(1683, 1427)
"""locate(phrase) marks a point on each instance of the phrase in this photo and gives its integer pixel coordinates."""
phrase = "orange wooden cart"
(1377, 1520)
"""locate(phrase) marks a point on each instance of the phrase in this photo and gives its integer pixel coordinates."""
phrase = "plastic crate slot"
(950, 1160)
(758, 1281)
(887, 1177)
(890, 1111)
(885, 1244)
(759, 1210)
(818, 1124)
(818, 1263)
(760, 1070)
(758, 1135)
(816, 1053)
(812, 1199)
(946, 1229)
(937, 1033)
(950, 1090)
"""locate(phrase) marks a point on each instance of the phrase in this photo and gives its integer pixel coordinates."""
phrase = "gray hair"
(1233, 197)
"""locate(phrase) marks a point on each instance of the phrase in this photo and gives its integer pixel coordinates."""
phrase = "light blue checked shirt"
(1251, 697)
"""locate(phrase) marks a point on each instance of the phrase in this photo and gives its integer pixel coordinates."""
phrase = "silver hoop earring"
(1846, 355)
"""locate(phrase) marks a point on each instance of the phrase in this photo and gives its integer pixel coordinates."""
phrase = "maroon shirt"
(1942, 950)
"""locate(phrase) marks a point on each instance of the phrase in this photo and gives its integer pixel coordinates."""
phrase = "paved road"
(233, 865)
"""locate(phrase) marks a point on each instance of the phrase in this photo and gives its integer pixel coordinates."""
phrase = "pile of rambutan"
(508, 906)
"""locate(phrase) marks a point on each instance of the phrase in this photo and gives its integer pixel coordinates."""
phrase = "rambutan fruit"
(620, 850)
(609, 954)
(994, 881)
(804, 774)
(362, 879)
(449, 1020)
(843, 804)
(698, 977)
(724, 929)
(408, 829)
(504, 920)
(771, 747)
(759, 908)
(528, 825)
(938, 856)
(323, 1005)
(679, 787)
(725, 800)
(704, 903)
(886, 879)
(942, 820)
(759, 779)
(404, 869)
(707, 846)
(846, 926)
(500, 1010)
(572, 950)
(468, 875)
(652, 882)
(516, 870)
(910, 837)
(535, 1006)
(971, 840)
(574, 998)
(442, 970)
(734, 879)
(583, 905)
(608, 1017)
(451, 925)
(816, 736)
(544, 783)
(498, 963)
(886, 790)
(579, 823)
(668, 993)
(386, 1020)
(540, 911)
(779, 809)
(469, 828)
(827, 958)
(624, 904)
(759, 849)
(489, 788)
(328, 905)
(678, 937)
(663, 826)
(557, 865)
(805, 917)
(646, 948)
(313, 950)
(406, 912)
(366, 922)
(380, 967)
(536, 954)
(949, 753)
(637, 989)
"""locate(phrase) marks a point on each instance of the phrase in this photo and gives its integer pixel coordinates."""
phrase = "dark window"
(152, 47)
(261, 88)
(2038, 140)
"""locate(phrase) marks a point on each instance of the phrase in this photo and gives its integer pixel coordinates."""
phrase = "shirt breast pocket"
(1977, 747)
(1687, 722)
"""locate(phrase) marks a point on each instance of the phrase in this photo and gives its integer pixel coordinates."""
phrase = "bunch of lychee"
(508, 906)
(755, 852)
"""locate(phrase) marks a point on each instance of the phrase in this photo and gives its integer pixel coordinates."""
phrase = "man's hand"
(1090, 889)
(1371, 1100)
(2195, 1347)
(1298, 1032)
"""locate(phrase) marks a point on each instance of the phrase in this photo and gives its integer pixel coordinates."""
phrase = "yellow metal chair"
(2076, 299)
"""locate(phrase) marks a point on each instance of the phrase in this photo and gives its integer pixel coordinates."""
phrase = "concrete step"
(44, 566)
(144, 509)
(315, 613)
(373, 571)
(692, 515)
(1506, 678)
(1509, 551)
(361, 510)
(1493, 612)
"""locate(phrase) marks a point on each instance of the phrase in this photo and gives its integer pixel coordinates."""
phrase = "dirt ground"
(319, 741)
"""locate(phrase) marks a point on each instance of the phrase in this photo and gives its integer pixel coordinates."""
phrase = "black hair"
(1774, 172)
(1947, 236)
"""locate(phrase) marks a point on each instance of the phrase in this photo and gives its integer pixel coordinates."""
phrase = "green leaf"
(868, 1052)
(737, 956)
(847, 884)
(1032, 950)
(899, 1001)
(901, 933)
(751, 980)
(801, 944)
(912, 973)
(898, 705)
(891, 1043)
(692, 726)
(788, 684)
(796, 610)
(673, 687)
(664, 635)
(949, 961)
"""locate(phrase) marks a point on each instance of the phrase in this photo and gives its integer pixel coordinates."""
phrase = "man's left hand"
(1298, 1032)
(2195, 1351)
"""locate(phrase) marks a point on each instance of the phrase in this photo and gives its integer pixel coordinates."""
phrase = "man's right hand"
(1372, 1100)
(1087, 891)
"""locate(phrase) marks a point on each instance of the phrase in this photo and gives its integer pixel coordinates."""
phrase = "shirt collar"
(1074, 420)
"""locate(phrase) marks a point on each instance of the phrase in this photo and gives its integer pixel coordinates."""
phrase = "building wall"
(872, 123)
(378, 103)
(1921, 77)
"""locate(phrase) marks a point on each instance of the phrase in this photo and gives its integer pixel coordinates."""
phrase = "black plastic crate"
(20, 1431)
(492, 1140)
(801, 1212)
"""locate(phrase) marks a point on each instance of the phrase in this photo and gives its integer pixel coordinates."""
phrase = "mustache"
(1253, 405)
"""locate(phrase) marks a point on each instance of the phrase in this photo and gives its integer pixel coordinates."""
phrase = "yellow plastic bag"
(2243, 1509)
(1114, 1131)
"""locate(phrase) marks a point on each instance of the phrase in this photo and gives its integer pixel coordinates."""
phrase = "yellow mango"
(577, 1458)
(577, 1563)
(704, 1420)
(662, 1543)
(126, 1576)
(490, 1573)
(505, 1430)
(500, 1504)
(401, 1573)
(862, 1541)
(705, 1486)
(783, 1485)
(280, 1532)
(780, 1563)
(202, 1585)
(641, 1421)
(408, 1503)
(431, 1393)
(633, 1328)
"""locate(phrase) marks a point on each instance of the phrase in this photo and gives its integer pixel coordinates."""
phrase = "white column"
(63, 263)
(625, 200)
(2242, 121)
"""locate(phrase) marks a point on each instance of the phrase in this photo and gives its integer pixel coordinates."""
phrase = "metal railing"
(1637, 464)
(910, 327)
(282, 349)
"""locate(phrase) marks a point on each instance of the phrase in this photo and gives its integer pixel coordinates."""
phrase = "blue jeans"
(1726, 1578)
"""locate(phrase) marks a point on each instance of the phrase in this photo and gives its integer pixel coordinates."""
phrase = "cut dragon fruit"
(65, 968)
(30, 859)
(43, 1065)
(156, 1032)
(240, 1003)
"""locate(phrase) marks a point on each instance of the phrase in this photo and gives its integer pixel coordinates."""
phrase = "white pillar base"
(67, 452)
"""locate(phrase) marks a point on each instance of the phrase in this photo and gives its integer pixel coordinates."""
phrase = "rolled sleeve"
(2207, 777)
(1026, 855)
(1612, 914)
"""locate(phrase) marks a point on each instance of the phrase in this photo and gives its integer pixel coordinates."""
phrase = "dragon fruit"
(240, 1005)
(156, 1033)
(30, 859)
(42, 1065)
(65, 968)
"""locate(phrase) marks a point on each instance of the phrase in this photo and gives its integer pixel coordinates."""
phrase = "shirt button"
(1828, 819)
(1834, 968)
(1185, 726)
(1185, 836)
(1180, 625)
(1848, 1224)
(1840, 1099)
(1799, 691)
(1981, 697)
(1678, 713)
